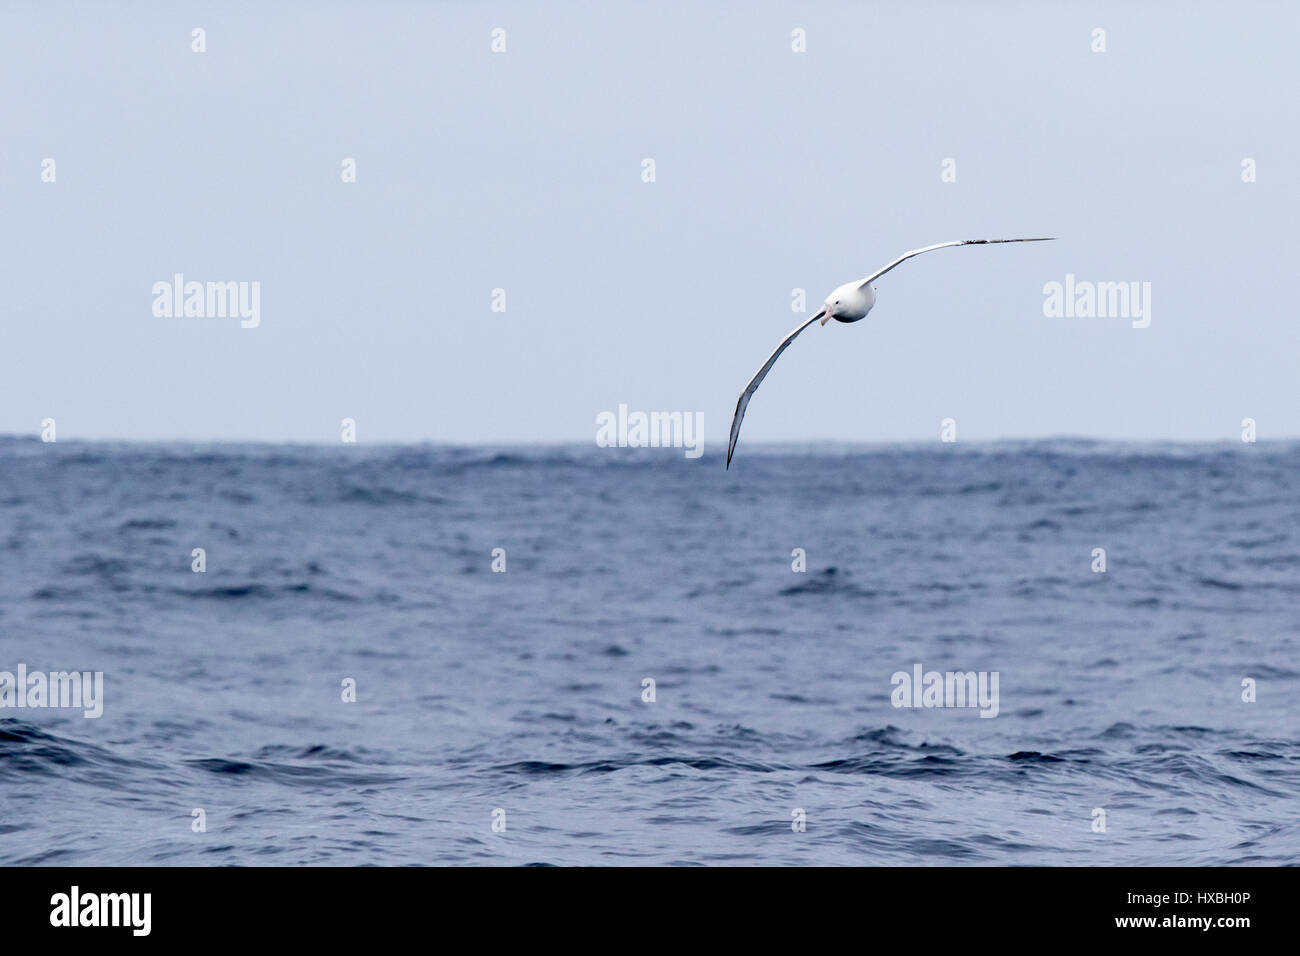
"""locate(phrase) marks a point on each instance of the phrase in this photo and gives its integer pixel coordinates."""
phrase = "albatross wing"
(940, 245)
(743, 402)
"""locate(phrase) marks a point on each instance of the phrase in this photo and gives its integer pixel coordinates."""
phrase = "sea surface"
(517, 699)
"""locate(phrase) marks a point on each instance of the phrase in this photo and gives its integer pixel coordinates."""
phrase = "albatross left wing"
(743, 402)
(940, 245)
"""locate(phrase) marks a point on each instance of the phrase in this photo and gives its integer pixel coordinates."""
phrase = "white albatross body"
(849, 303)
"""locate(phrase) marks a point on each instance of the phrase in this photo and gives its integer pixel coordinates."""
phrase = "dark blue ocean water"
(522, 691)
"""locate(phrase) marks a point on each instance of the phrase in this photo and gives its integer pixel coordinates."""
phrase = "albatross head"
(849, 303)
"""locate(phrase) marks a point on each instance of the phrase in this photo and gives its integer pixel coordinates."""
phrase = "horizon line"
(572, 442)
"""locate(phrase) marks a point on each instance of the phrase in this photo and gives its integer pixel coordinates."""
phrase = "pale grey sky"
(522, 170)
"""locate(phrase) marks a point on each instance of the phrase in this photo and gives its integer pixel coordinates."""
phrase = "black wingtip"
(985, 242)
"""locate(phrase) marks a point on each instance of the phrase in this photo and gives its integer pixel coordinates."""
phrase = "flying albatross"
(849, 303)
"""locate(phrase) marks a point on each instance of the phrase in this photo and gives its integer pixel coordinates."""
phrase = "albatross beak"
(826, 316)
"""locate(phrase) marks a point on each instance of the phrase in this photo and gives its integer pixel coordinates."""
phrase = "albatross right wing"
(757, 380)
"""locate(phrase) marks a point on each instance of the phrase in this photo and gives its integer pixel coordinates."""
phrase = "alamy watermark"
(208, 300)
(923, 688)
(130, 910)
(651, 430)
(82, 689)
(1083, 299)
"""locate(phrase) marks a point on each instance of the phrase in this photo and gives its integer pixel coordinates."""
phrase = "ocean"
(670, 663)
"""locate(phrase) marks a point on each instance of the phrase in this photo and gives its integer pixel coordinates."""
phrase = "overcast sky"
(523, 170)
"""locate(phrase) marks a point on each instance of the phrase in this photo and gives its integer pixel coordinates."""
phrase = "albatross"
(849, 303)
